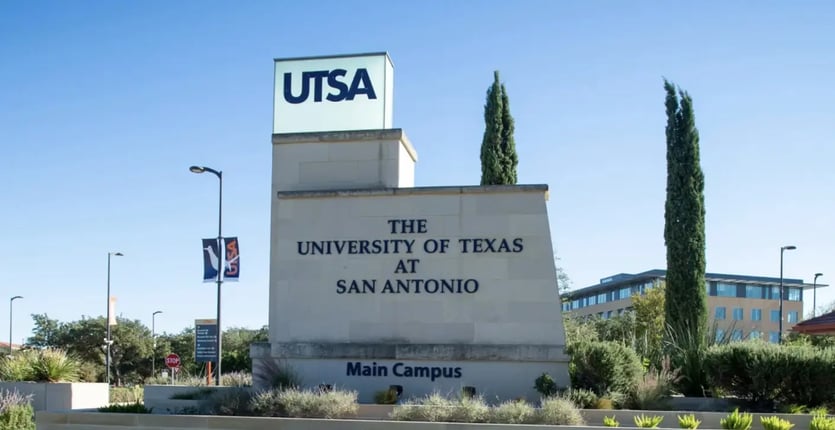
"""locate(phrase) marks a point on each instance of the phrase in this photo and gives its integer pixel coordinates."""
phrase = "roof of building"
(824, 324)
(615, 281)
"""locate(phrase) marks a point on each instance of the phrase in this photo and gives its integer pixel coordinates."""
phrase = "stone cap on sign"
(347, 136)
(467, 189)
(383, 351)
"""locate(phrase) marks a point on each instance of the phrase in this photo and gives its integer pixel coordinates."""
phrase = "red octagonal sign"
(172, 361)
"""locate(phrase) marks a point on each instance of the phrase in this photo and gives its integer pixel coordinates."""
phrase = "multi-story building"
(740, 306)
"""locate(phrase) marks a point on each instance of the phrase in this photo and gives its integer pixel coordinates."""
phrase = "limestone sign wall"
(375, 282)
(443, 265)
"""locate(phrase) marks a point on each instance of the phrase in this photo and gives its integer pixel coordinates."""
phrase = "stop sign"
(172, 361)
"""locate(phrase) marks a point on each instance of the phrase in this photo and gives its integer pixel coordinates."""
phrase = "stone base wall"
(497, 372)
(60, 396)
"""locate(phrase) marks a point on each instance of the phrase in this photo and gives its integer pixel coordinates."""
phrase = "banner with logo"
(210, 260)
(233, 262)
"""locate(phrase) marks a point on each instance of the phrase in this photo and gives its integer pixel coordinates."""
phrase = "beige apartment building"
(742, 307)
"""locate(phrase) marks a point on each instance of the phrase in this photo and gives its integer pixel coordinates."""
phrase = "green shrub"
(654, 387)
(20, 417)
(16, 412)
(545, 385)
(385, 397)
(604, 403)
(821, 422)
(610, 422)
(603, 366)
(432, 407)
(820, 410)
(41, 365)
(581, 397)
(792, 408)
(277, 374)
(130, 408)
(737, 421)
(236, 379)
(229, 402)
(513, 412)
(646, 422)
(297, 403)
(775, 423)
(559, 411)
(764, 372)
(438, 408)
(688, 421)
(127, 394)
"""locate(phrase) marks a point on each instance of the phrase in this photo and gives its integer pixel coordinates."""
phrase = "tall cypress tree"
(491, 143)
(509, 159)
(498, 149)
(684, 228)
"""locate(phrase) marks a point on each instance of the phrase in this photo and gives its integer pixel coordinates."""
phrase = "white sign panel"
(352, 92)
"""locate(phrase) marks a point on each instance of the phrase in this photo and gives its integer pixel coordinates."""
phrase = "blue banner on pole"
(210, 260)
(233, 262)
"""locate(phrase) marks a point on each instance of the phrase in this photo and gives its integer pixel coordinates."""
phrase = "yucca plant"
(688, 421)
(821, 422)
(775, 423)
(646, 422)
(54, 365)
(737, 421)
(610, 422)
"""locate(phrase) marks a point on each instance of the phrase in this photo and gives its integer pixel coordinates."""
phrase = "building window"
(620, 312)
(775, 293)
(725, 290)
(754, 334)
(609, 314)
(625, 293)
(738, 314)
(795, 294)
(775, 315)
(575, 304)
(592, 300)
(754, 291)
(773, 337)
(736, 335)
(601, 298)
(756, 314)
(793, 316)
(720, 312)
(720, 335)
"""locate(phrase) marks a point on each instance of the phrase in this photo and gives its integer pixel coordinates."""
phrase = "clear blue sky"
(104, 105)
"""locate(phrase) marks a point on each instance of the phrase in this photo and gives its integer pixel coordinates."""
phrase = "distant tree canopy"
(132, 347)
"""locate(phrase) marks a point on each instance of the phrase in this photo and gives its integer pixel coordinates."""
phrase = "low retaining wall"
(710, 420)
(79, 420)
(70, 420)
(61, 396)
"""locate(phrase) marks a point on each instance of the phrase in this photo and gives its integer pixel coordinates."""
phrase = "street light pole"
(11, 320)
(220, 251)
(108, 340)
(815, 294)
(154, 339)
(782, 249)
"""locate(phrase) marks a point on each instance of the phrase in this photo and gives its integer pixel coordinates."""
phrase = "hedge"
(764, 372)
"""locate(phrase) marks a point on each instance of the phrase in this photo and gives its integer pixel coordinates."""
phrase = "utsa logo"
(336, 80)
